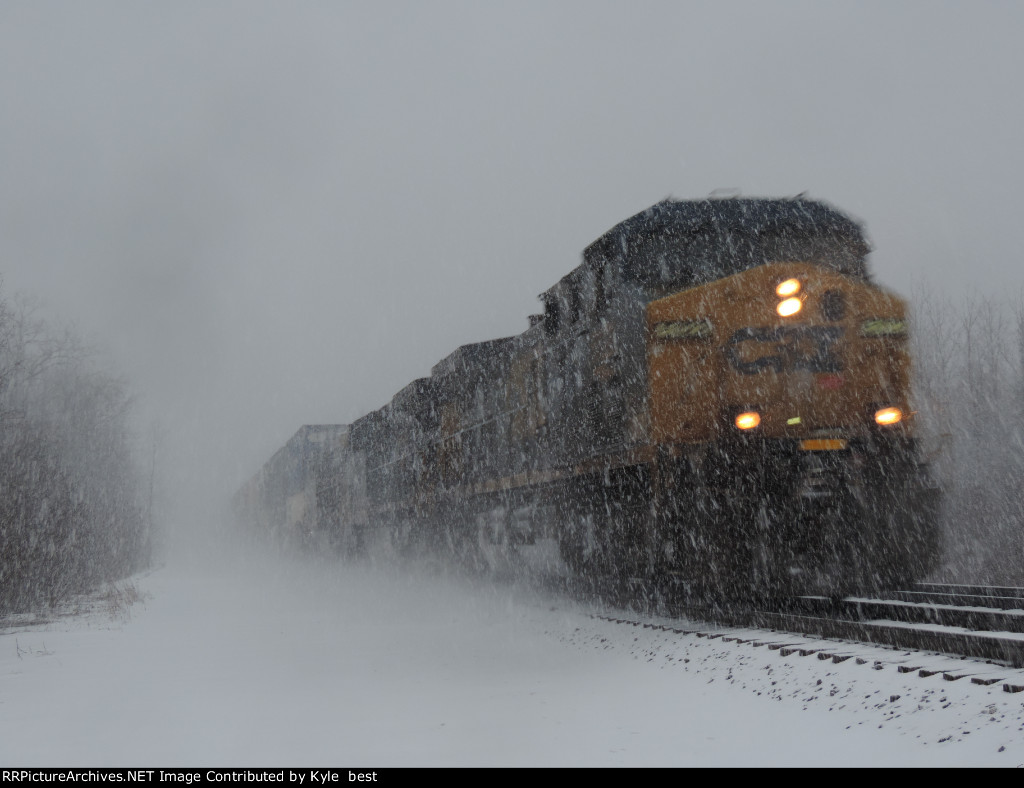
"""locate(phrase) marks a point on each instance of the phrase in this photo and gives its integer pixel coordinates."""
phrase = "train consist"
(716, 399)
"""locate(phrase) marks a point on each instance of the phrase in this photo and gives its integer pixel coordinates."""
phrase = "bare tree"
(71, 509)
(969, 381)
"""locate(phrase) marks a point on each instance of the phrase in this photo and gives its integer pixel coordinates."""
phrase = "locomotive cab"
(784, 391)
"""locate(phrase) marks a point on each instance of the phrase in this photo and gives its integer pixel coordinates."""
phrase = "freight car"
(308, 494)
(717, 398)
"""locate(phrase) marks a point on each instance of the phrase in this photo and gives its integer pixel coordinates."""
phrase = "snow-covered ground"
(295, 663)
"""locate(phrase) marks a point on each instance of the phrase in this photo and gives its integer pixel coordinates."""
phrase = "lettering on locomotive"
(785, 349)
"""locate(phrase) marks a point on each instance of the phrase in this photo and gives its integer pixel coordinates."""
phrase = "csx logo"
(814, 348)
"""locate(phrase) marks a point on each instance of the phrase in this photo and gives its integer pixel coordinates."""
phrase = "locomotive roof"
(754, 215)
(682, 222)
(470, 355)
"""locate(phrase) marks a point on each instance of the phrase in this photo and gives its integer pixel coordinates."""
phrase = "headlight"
(887, 416)
(748, 419)
(789, 307)
(789, 287)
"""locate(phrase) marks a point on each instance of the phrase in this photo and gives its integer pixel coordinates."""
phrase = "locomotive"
(717, 399)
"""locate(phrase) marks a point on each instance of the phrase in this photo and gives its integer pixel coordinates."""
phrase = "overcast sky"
(274, 214)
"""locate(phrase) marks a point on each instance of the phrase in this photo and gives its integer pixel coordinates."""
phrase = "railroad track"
(941, 626)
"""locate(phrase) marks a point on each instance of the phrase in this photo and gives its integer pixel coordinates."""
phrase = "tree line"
(969, 390)
(73, 512)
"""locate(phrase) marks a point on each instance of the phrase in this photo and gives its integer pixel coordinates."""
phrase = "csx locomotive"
(716, 399)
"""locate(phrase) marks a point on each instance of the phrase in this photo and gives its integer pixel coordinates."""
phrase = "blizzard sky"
(273, 214)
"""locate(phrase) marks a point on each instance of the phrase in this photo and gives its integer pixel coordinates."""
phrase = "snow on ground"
(306, 664)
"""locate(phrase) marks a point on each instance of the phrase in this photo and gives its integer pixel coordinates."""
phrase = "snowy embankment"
(270, 664)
